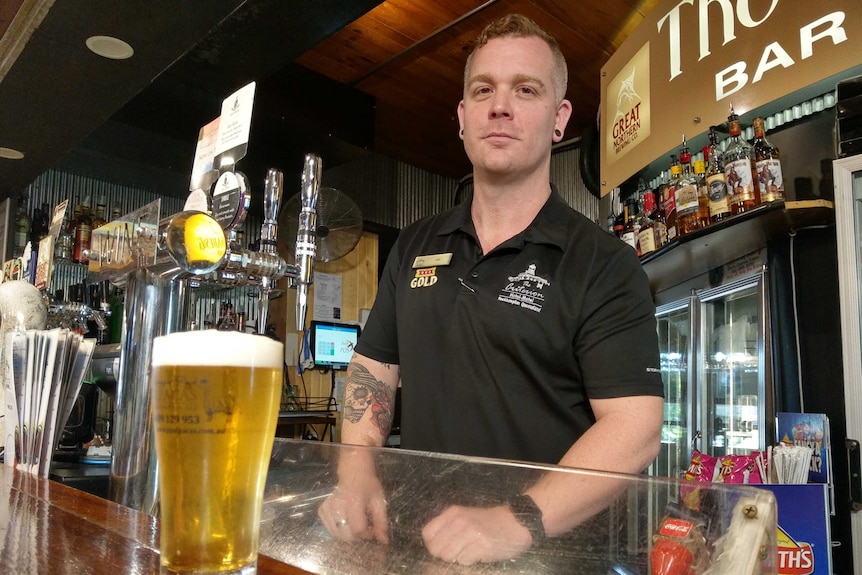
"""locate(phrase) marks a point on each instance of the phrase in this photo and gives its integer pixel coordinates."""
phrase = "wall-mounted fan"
(339, 224)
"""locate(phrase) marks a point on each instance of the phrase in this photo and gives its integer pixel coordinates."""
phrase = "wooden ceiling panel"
(588, 29)
(392, 28)
(420, 19)
(8, 9)
(359, 48)
(379, 74)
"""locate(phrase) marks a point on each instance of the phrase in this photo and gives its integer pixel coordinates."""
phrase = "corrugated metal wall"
(566, 175)
(394, 194)
(53, 186)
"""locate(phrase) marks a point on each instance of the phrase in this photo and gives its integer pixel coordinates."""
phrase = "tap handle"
(306, 246)
(194, 241)
(272, 192)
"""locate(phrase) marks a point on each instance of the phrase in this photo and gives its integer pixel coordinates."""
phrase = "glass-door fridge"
(847, 173)
(715, 365)
(733, 367)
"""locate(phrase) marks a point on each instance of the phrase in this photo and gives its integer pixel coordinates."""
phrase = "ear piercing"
(461, 133)
(557, 133)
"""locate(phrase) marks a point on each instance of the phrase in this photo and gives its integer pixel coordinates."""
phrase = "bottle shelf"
(700, 251)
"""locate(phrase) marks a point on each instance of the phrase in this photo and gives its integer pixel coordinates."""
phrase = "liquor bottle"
(227, 321)
(647, 234)
(719, 202)
(620, 224)
(639, 201)
(739, 170)
(83, 228)
(42, 225)
(65, 243)
(99, 216)
(670, 199)
(635, 207)
(45, 223)
(685, 195)
(76, 212)
(22, 226)
(629, 232)
(702, 193)
(36, 228)
(658, 219)
(72, 221)
(767, 161)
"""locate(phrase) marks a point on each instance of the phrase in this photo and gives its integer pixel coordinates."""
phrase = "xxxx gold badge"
(425, 277)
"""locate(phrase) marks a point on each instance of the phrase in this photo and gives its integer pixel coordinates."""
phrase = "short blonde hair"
(519, 26)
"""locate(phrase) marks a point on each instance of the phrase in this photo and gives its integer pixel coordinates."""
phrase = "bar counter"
(49, 528)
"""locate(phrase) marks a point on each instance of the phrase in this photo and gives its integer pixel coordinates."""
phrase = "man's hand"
(468, 535)
(356, 511)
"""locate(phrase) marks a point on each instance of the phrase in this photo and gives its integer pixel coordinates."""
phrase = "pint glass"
(215, 398)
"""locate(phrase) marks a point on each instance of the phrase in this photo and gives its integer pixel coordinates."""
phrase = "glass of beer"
(215, 397)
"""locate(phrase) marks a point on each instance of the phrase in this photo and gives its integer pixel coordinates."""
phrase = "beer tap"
(189, 247)
(242, 266)
(306, 246)
(272, 193)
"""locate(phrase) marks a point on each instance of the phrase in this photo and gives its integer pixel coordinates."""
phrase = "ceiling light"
(10, 154)
(110, 47)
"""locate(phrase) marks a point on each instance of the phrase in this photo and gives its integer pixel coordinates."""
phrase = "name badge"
(432, 260)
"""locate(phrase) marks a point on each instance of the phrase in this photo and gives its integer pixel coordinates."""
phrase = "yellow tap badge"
(205, 240)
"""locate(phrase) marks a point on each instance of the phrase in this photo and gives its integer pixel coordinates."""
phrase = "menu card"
(44, 372)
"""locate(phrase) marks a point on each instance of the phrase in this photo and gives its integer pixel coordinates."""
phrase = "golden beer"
(215, 398)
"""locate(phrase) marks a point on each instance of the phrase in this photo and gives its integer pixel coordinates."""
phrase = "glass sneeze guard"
(618, 539)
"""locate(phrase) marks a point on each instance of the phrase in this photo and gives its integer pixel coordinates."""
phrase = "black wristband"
(528, 514)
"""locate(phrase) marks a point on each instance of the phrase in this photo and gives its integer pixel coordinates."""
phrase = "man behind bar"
(519, 329)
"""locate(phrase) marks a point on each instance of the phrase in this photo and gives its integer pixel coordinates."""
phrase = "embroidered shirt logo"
(525, 290)
(425, 277)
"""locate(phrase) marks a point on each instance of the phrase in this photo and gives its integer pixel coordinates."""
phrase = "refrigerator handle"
(854, 470)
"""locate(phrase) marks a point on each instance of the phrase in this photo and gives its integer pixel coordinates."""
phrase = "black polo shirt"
(500, 353)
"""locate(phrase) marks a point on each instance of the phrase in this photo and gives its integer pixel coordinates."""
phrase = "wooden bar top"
(49, 528)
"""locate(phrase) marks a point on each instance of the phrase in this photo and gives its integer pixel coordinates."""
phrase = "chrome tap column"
(154, 305)
(191, 246)
(157, 298)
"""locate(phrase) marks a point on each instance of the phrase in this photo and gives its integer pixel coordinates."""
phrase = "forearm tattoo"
(361, 391)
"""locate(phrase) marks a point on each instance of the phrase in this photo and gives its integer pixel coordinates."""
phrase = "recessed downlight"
(110, 47)
(11, 154)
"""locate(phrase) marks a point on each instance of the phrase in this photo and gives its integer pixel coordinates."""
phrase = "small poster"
(234, 127)
(44, 262)
(809, 430)
(327, 297)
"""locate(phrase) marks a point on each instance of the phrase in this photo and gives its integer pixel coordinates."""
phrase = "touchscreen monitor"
(332, 344)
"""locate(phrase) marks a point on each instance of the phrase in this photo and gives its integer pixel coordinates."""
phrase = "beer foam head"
(214, 348)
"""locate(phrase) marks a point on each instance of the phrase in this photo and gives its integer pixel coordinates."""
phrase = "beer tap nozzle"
(273, 187)
(306, 234)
